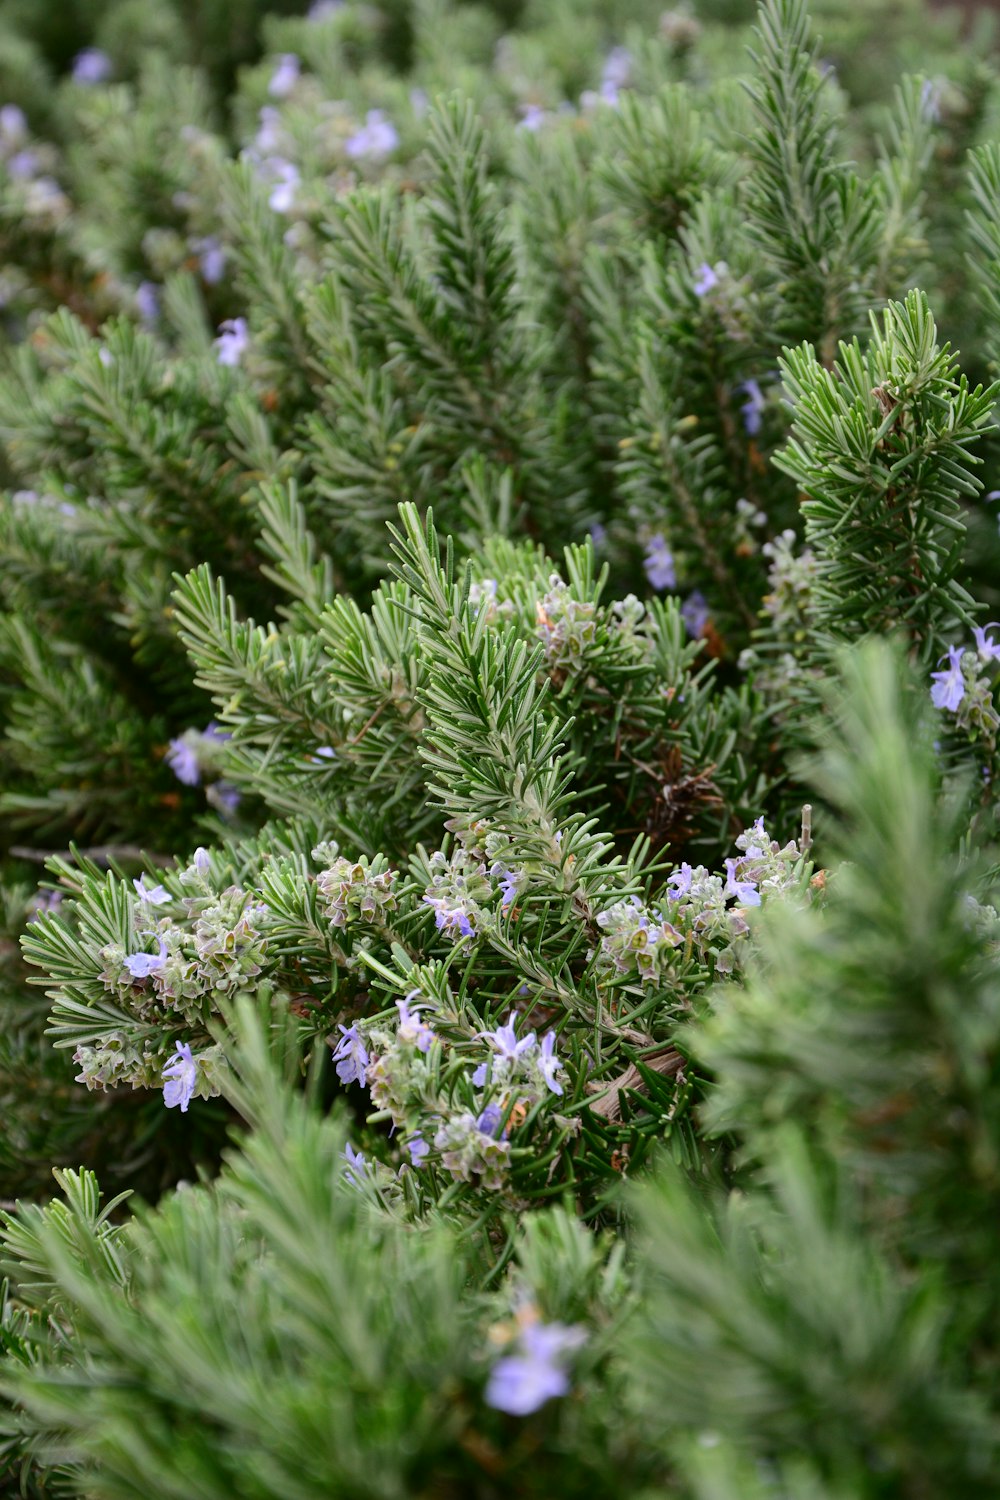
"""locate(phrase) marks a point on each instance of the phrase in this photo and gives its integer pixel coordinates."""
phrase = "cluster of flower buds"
(567, 627)
(706, 908)
(354, 892)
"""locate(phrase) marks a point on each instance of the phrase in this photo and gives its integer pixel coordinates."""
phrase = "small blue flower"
(356, 1164)
(506, 1041)
(659, 563)
(418, 1148)
(489, 1121)
(211, 259)
(147, 300)
(285, 177)
(155, 895)
(351, 1056)
(91, 66)
(521, 1383)
(233, 341)
(743, 890)
(412, 1026)
(695, 613)
(285, 76)
(141, 965)
(549, 1064)
(479, 1076)
(13, 122)
(705, 279)
(376, 138)
(753, 407)
(183, 761)
(988, 649)
(949, 685)
(680, 881)
(179, 1079)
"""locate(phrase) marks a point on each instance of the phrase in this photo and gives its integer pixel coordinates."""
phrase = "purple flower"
(987, 648)
(412, 1026)
(183, 761)
(377, 137)
(598, 535)
(179, 1078)
(508, 888)
(418, 1148)
(13, 124)
(949, 685)
(695, 613)
(532, 116)
(506, 1042)
(232, 342)
(147, 300)
(930, 101)
(201, 859)
(325, 752)
(141, 965)
(659, 563)
(705, 279)
(45, 901)
(22, 165)
(355, 1164)
(225, 797)
(680, 880)
(321, 10)
(155, 895)
(752, 407)
(285, 76)
(520, 1383)
(479, 1076)
(549, 1064)
(286, 179)
(489, 1121)
(91, 66)
(211, 259)
(450, 918)
(743, 890)
(351, 1056)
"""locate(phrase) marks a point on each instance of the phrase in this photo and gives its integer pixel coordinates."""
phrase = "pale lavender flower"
(753, 407)
(13, 124)
(743, 890)
(142, 965)
(285, 76)
(147, 300)
(355, 1163)
(23, 164)
(45, 901)
(377, 137)
(549, 1064)
(659, 563)
(201, 859)
(183, 761)
(325, 752)
(91, 66)
(598, 535)
(286, 179)
(532, 116)
(351, 1056)
(225, 797)
(930, 101)
(321, 10)
(412, 1026)
(521, 1383)
(508, 888)
(233, 341)
(179, 1079)
(449, 917)
(988, 649)
(418, 1148)
(268, 137)
(680, 881)
(479, 1076)
(616, 73)
(949, 685)
(155, 895)
(211, 259)
(506, 1042)
(489, 1121)
(705, 279)
(695, 613)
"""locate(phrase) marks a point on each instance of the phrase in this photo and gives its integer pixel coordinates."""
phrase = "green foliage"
(455, 460)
